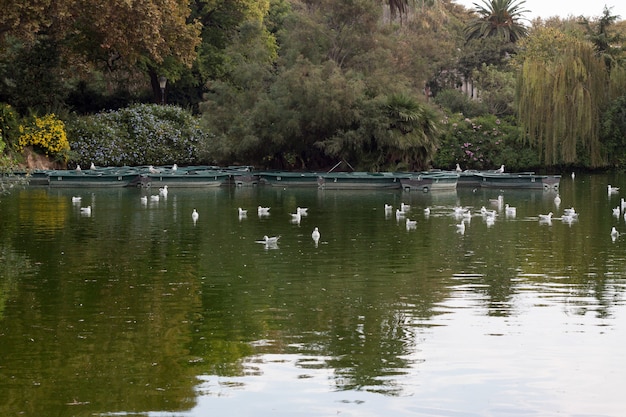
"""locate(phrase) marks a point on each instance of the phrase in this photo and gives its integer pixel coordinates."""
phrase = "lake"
(137, 310)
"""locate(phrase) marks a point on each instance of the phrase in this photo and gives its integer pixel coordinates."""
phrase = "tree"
(562, 89)
(499, 18)
(605, 41)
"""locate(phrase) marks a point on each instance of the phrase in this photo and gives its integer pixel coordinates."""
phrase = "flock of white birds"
(461, 214)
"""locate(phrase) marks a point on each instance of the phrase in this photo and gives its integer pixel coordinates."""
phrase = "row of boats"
(213, 176)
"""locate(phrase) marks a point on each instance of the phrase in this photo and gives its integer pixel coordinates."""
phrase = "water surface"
(136, 310)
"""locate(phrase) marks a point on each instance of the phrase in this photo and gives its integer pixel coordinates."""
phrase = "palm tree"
(501, 18)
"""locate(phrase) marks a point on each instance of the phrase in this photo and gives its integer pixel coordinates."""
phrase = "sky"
(564, 8)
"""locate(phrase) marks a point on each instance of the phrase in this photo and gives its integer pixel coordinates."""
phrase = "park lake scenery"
(244, 263)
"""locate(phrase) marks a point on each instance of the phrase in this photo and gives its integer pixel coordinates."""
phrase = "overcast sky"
(564, 8)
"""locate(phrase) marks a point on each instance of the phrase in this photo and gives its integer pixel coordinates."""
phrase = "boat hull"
(520, 181)
(187, 179)
(289, 179)
(91, 178)
(358, 181)
(427, 182)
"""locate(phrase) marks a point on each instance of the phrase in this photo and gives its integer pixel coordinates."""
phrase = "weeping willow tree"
(562, 90)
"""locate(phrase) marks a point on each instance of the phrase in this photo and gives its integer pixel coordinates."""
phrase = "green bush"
(9, 125)
(483, 142)
(138, 135)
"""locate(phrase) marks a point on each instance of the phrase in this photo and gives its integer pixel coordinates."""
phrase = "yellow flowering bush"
(46, 133)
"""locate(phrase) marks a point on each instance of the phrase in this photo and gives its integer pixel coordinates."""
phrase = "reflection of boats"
(359, 180)
(288, 178)
(512, 180)
(430, 181)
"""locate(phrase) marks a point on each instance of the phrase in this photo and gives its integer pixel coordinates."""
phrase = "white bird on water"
(388, 207)
(76, 200)
(296, 217)
(144, 199)
(195, 215)
(163, 191)
(269, 240)
(263, 211)
(460, 228)
(315, 235)
(510, 211)
(546, 217)
(242, 212)
(86, 210)
(612, 190)
(427, 211)
(405, 207)
(400, 214)
(557, 200)
(616, 211)
(614, 233)
(304, 211)
(411, 224)
(154, 197)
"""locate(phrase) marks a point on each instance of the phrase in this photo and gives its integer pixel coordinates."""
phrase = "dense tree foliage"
(303, 84)
(498, 18)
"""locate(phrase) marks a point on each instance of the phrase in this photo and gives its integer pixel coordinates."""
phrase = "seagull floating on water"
(616, 211)
(269, 240)
(76, 199)
(163, 191)
(400, 214)
(388, 207)
(427, 211)
(144, 199)
(263, 211)
(510, 211)
(315, 235)
(404, 207)
(242, 212)
(304, 211)
(195, 215)
(411, 224)
(614, 233)
(557, 200)
(296, 217)
(154, 197)
(86, 210)
(612, 190)
(460, 228)
(546, 217)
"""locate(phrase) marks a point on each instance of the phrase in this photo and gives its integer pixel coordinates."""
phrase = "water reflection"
(141, 309)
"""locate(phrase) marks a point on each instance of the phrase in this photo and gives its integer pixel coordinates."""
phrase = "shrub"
(45, 133)
(483, 142)
(9, 124)
(138, 135)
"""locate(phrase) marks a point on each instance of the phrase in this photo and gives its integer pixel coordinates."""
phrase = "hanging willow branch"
(560, 101)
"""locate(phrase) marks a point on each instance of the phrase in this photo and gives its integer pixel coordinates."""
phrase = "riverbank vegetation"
(300, 84)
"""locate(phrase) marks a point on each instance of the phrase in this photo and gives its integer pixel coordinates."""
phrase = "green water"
(136, 310)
